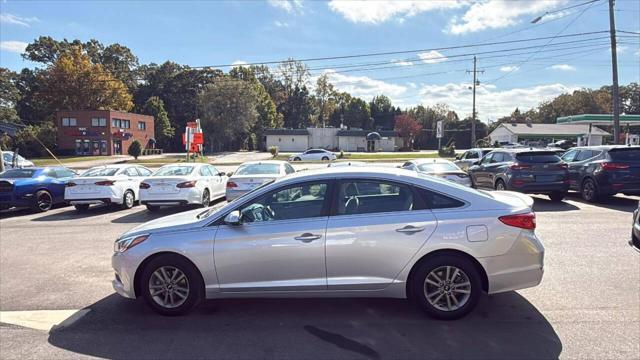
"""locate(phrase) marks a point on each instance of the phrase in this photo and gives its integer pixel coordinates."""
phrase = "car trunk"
(540, 167)
(511, 198)
(165, 184)
(624, 167)
(250, 182)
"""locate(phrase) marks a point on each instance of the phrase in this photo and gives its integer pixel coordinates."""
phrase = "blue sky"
(218, 32)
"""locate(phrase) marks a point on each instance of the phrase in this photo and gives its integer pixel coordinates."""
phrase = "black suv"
(524, 170)
(600, 171)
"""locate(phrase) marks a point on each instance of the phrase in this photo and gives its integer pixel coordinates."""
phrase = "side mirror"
(229, 174)
(233, 218)
(222, 173)
(458, 157)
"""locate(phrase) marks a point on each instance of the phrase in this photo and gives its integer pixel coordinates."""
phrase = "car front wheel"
(128, 200)
(44, 201)
(171, 285)
(446, 287)
(296, 159)
(500, 185)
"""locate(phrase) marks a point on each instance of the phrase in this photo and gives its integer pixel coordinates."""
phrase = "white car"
(252, 174)
(347, 163)
(313, 155)
(338, 232)
(7, 158)
(110, 184)
(441, 168)
(183, 184)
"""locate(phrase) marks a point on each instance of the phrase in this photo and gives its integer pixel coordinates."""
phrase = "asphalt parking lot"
(587, 307)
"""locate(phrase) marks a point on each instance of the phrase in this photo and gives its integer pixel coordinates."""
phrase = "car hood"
(175, 222)
(22, 181)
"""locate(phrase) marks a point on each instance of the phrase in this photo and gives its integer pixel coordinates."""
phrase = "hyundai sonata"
(338, 232)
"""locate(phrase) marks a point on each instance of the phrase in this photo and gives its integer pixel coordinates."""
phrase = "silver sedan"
(338, 232)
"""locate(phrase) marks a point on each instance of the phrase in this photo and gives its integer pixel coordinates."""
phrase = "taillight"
(523, 221)
(517, 166)
(614, 166)
(186, 184)
(70, 184)
(105, 183)
(144, 185)
(231, 184)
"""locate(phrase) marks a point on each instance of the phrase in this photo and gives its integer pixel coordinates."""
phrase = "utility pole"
(614, 65)
(473, 114)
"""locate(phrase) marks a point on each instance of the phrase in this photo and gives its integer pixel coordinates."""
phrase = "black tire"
(500, 185)
(43, 201)
(419, 286)
(589, 190)
(193, 281)
(153, 208)
(557, 196)
(296, 159)
(206, 198)
(126, 203)
(81, 207)
(324, 158)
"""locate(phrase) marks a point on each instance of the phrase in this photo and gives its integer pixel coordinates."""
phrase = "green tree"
(154, 106)
(296, 107)
(382, 112)
(33, 107)
(135, 149)
(9, 95)
(357, 114)
(325, 101)
(26, 141)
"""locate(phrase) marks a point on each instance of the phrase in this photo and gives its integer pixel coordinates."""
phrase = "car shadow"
(145, 215)
(72, 213)
(504, 326)
(619, 203)
(543, 205)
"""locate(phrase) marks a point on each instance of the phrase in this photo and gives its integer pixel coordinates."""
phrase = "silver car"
(338, 232)
(252, 174)
(442, 168)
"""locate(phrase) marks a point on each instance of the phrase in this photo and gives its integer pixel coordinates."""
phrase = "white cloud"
(496, 14)
(637, 53)
(432, 57)
(239, 63)
(491, 103)
(13, 46)
(17, 20)
(562, 67)
(290, 6)
(412, 85)
(402, 62)
(281, 24)
(509, 68)
(375, 12)
(362, 86)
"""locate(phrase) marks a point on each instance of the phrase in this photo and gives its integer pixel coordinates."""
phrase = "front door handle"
(410, 229)
(307, 237)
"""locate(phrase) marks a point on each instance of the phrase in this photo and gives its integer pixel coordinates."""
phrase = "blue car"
(38, 188)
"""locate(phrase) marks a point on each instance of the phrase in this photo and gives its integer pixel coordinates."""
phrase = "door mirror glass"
(233, 218)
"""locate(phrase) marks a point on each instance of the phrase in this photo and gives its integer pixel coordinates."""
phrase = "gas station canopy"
(599, 119)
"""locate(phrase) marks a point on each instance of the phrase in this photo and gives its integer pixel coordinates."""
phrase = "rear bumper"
(102, 197)
(93, 201)
(165, 202)
(540, 188)
(182, 197)
(519, 268)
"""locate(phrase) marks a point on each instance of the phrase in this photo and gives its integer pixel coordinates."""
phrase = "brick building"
(102, 132)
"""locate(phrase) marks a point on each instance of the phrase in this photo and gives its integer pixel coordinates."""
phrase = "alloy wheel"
(588, 190)
(169, 287)
(128, 199)
(447, 288)
(44, 201)
(205, 199)
(500, 185)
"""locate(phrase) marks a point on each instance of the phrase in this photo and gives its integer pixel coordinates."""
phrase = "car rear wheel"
(296, 159)
(128, 200)
(500, 185)
(206, 198)
(81, 207)
(153, 208)
(589, 190)
(44, 201)
(324, 158)
(171, 285)
(446, 287)
(557, 196)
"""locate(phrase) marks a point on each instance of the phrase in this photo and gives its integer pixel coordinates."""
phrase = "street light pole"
(473, 111)
(614, 65)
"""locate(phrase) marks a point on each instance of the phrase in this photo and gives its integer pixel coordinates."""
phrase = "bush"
(273, 150)
(449, 151)
(496, 144)
(135, 149)
(26, 141)
(341, 155)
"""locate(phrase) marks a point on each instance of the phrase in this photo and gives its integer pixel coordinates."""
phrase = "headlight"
(124, 244)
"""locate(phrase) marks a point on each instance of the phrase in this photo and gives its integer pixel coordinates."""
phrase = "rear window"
(101, 171)
(258, 169)
(438, 167)
(17, 174)
(631, 154)
(538, 157)
(174, 171)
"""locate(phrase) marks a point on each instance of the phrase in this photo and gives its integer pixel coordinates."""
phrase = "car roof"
(605, 147)
(430, 161)
(520, 150)
(275, 162)
(184, 164)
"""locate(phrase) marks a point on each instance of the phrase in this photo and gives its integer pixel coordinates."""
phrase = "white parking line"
(45, 320)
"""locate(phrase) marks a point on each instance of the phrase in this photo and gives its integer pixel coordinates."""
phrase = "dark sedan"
(35, 188)
(524, 170)
(601, 171)
(635, 232)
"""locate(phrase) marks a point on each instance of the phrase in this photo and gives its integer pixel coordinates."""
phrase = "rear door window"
(433, 200)
(373, 196)
(204, 171)
(585, 154)
(144, 171)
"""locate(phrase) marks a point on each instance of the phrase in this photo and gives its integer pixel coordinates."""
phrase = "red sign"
(198, 138)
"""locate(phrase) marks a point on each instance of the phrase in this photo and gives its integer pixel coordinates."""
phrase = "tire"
(557, 196)
(206, 198)
(44, 201)
(81, 207)
(171, 297)
(500, 185)
(296, 159)
(128, 200)
(324, 158)
(153, 208)
(589, 190)
(432, 299)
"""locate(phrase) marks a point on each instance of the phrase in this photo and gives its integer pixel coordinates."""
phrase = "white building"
(547, 133)
(294, 140)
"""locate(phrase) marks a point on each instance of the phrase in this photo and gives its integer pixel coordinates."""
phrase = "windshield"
(8, 157)
(438, 167)
(629, 154)
(174, 171)
(17, 174)
(258, 169)
(100, 171)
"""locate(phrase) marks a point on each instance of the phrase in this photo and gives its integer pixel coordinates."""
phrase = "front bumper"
(125, 271)
(8, 201)
(522, 266)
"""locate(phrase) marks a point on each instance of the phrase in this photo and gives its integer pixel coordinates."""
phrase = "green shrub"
(273, 150)
(341, 155)
(448, 151)
(135, 149)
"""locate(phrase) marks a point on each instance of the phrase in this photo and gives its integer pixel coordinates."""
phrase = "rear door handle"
(410, 229)
(307, 237)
